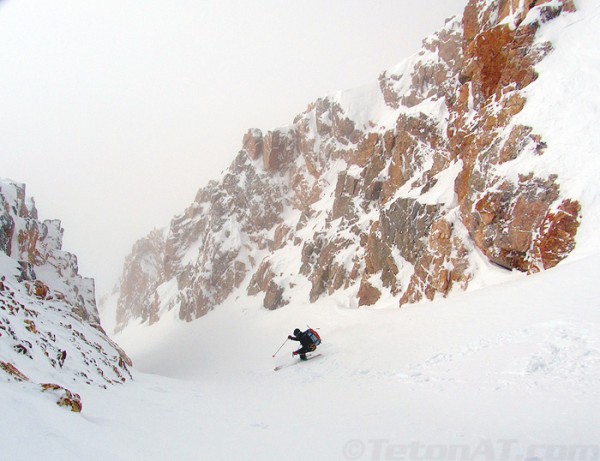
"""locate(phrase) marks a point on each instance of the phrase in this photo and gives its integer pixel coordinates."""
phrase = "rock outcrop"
(396, 187)
(50, 331)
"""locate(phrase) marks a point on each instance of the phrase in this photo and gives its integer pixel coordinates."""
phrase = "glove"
(290, 337)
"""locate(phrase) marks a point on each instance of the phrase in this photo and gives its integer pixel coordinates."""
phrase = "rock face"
(504, 217)
(396, 187)
(49, 327)
(143, 267)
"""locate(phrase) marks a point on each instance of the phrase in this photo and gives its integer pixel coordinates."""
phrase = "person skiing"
(309, 340)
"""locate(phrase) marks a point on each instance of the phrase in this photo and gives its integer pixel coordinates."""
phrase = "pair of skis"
(308, 357)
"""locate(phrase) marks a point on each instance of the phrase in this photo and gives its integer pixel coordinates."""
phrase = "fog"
(115, 112)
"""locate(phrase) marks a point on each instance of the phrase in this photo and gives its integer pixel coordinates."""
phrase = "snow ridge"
(50, 330)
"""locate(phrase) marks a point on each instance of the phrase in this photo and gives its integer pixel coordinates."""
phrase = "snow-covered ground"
(509, 371)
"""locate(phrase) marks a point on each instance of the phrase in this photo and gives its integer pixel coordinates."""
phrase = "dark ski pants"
(304, 349)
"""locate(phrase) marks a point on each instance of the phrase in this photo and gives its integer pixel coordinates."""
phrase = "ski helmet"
(297, 332)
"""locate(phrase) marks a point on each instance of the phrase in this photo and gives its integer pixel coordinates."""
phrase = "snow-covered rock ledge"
(50, 333)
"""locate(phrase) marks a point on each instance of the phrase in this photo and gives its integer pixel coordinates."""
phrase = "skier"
(309, 340)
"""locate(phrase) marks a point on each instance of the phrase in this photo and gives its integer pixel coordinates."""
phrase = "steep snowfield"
(563, 105)
(511, 367)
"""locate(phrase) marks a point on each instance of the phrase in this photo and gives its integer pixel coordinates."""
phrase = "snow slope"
(509, 367)
(563, 105)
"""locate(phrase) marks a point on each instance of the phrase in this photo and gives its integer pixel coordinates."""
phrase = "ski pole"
(286, 340)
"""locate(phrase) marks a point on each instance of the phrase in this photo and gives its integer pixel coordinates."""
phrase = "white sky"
(115, 112)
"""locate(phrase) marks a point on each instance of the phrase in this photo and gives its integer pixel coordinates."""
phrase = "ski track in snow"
(518, 361)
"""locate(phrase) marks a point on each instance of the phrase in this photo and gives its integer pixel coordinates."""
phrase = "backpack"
(314, 336)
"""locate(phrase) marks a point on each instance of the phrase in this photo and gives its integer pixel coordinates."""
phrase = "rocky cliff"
(50, 333)
(402, 187)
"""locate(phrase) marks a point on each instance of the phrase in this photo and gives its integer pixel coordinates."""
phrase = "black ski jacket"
(303, 338)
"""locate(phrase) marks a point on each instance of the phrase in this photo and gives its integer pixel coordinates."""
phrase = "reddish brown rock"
(38, 289)
(140, 278)
(274, 296)
(261, 279)
(281, 237)
(7, 228)
(13, 371)
(28, 240)
(319, 264)
(415, 137)
(253, 144)
(434, 78)
(64, 397)
(367, 294)
(368, 148)
(444, 264)
(278, 150)
(558, 238)
(30, 326)
(346, 190)
(499, 61)
(386, 84)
